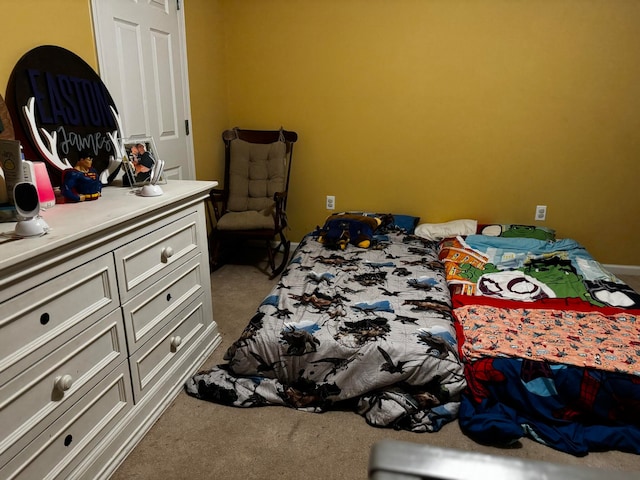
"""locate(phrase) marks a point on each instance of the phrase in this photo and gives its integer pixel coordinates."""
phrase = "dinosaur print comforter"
(550, 341)
(367, 329)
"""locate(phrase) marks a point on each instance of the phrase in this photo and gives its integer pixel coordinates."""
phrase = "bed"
(360, 319)
(549, 338)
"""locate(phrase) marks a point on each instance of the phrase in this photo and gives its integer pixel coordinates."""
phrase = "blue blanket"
(571, 409)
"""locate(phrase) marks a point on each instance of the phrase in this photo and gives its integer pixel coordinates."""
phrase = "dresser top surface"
(71, 222)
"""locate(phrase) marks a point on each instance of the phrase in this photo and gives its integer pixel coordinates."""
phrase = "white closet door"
(142, 57)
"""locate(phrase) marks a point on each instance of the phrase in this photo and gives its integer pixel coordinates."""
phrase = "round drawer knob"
(167, 253)
(63, 382)
(176, 341)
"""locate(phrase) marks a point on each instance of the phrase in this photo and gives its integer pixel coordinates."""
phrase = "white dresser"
(101, 322)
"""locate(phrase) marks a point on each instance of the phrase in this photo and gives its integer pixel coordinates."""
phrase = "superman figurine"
(81, 182)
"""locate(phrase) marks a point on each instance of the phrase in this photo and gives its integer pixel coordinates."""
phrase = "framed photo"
(141, 162)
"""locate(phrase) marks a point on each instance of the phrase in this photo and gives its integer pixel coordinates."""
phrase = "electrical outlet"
(541, 212)
(331, 202)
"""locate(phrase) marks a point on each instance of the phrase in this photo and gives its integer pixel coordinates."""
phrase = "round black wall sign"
(59, 107)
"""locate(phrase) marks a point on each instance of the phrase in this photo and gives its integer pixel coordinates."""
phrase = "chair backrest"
(257, 165)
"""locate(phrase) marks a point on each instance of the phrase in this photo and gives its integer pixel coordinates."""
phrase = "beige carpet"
(195, 439)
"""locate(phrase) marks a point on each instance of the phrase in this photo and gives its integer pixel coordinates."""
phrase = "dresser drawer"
(34, 399)
(158, 304)
(147, 259)
(44, 317)
(163, 352)
(64, 444)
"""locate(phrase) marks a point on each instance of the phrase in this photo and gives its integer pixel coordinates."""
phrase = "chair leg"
(285, 245)
(214, 252)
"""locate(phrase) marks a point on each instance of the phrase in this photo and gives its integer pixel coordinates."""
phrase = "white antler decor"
(119, 151)
(116, 137)
(49, 152)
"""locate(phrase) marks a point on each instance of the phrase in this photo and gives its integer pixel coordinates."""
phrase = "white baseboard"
(623, 269)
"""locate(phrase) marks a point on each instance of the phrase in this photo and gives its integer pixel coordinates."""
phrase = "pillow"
(519, 231)
(341, 229)
(407, 223)
(438, 231)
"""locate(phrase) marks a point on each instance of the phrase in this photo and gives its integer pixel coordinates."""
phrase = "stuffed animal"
(343, 228)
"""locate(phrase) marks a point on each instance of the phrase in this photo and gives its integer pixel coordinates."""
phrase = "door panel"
(165, 87)
(131, 84)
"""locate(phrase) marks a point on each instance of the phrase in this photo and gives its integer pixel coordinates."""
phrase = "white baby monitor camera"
(153, 189)
(25, 197)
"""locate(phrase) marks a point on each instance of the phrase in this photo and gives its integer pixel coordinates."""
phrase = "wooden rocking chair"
(252, 203)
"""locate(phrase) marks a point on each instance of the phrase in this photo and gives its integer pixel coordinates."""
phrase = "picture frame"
(138, 162)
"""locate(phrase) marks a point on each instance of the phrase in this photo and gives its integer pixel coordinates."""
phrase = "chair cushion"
(256, 172)
(249, 220)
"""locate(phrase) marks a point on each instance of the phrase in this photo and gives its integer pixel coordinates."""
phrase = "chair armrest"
(218, 201)
(216, 192)
(279, 196)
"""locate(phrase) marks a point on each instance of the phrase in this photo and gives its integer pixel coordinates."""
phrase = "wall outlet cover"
(331, 202)
(541, 212)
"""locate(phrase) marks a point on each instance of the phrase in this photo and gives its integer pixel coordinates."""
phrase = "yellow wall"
(207, 84)
(532, 102)
(451, 109)
(30, 23)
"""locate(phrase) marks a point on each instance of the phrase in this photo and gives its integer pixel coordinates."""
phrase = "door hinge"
(178, 4)
(186, 126)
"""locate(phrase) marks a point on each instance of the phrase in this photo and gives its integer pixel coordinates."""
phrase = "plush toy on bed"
(341, 229)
